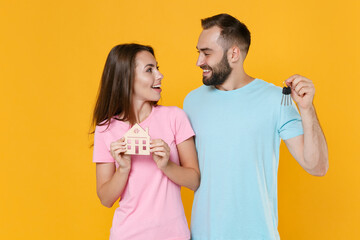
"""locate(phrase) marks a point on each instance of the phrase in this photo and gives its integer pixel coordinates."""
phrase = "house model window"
(137, 140)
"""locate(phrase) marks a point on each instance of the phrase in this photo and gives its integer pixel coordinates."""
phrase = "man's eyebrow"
(204, 49)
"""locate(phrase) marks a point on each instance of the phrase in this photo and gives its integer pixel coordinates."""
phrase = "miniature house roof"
(137, 131)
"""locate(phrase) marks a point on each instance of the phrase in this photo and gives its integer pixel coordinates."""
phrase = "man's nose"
(200, 61)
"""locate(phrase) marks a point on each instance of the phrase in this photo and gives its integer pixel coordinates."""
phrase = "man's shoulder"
(195, 95)
(196, 91)
(269, 89)
(267, 85)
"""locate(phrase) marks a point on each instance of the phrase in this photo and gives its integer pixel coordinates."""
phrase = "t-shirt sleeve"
(101, 149)
(183, 129)
(290, 124)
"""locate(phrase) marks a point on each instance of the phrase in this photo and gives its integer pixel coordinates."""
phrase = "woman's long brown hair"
(116, 87)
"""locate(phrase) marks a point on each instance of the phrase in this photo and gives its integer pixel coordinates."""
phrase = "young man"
(239, 121)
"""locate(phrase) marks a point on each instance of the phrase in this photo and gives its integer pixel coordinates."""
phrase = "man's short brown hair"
(232, 31)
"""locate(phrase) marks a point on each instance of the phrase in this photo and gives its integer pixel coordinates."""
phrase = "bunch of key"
(286, 97)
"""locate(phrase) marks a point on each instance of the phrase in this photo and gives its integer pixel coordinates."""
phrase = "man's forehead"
(208, 38)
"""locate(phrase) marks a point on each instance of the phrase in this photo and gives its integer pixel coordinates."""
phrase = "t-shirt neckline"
(147, 119)
(243, 88)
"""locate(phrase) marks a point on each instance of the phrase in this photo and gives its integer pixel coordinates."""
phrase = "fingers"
(304, 87)
(300, 85)
(116, 148)
(160, 154)
(116, 154)
(295, 79)
(303, 91)
(289, 81)
(117, 145)
(156, 141)
(159, 147)
(159, 143)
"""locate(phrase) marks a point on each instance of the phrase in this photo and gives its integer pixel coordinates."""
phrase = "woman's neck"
(142, 110)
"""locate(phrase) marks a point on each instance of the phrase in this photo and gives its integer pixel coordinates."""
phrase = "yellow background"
(51, 57)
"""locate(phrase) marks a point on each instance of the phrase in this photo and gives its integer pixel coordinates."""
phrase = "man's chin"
(207, 81)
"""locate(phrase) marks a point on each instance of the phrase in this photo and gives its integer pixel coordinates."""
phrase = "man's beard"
(219, 73)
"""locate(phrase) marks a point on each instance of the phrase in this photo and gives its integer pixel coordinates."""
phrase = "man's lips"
(206, 72)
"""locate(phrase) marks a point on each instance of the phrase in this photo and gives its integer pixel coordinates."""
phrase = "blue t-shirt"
(237, 136)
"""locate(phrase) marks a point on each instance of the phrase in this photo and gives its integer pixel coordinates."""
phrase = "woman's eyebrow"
(150, 65)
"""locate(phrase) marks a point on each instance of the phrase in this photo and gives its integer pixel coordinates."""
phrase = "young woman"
(148, 186)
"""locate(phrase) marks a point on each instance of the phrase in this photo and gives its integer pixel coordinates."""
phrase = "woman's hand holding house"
(117, 150)
(160, 151)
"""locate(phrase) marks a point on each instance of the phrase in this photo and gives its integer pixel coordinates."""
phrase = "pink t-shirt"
(150, 206)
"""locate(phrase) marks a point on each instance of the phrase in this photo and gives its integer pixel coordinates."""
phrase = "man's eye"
(149, 70)
(157, 67)
(206, 54)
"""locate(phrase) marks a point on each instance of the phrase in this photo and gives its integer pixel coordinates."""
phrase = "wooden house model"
(137, 141)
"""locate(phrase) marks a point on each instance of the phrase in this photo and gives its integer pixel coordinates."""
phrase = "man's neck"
(235, 81)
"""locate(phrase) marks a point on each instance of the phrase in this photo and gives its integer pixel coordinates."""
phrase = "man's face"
(212, 58)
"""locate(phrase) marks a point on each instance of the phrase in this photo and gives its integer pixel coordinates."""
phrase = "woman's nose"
(159, 76)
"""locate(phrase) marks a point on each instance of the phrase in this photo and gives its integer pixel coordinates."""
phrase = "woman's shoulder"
(173, 110)
(109, 125)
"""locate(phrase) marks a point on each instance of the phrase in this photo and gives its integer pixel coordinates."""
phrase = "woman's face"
(147, 82)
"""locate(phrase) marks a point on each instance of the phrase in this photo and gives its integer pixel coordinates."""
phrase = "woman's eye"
(149, 70)
(157, 67)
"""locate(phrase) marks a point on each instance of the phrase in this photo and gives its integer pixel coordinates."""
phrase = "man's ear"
(234, 54)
